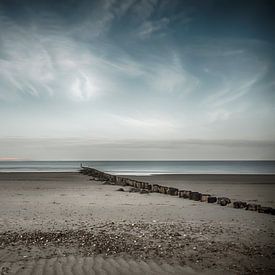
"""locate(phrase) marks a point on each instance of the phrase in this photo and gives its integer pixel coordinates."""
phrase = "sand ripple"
(72, 265)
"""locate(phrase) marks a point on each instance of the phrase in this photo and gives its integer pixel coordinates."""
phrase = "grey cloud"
(91, 149)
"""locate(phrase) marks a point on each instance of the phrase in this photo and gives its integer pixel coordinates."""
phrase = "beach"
(137, 137)
(69, 219)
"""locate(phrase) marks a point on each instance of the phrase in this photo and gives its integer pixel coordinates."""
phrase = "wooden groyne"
(185, 194)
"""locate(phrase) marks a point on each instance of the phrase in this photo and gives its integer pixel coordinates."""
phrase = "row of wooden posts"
(186, 194)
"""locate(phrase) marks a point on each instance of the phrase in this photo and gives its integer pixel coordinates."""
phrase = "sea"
(144, 167)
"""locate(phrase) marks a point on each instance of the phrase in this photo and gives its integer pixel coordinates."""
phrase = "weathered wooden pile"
(185, 194)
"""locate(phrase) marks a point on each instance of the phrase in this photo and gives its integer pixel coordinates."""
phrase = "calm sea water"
(144, 167)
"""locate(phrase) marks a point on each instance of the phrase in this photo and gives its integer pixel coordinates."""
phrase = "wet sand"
(54, 216)
(258, 189)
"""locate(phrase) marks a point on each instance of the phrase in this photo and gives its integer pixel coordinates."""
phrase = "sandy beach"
(53, 221)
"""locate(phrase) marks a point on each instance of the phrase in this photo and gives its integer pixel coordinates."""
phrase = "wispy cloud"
(144, 8)
(46, 63)
(150, 27)
(233, 91)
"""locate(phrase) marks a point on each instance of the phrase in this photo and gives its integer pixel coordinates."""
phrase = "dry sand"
(55, 218)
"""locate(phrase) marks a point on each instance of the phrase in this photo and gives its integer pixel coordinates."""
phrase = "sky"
(137, 79)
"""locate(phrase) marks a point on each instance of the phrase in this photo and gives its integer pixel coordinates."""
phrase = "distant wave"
(144, 167)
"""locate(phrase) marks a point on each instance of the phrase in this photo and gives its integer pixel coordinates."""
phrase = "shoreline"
(269, 177)
(153, 174)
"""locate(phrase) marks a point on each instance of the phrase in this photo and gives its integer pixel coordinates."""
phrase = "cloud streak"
(79, 148)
